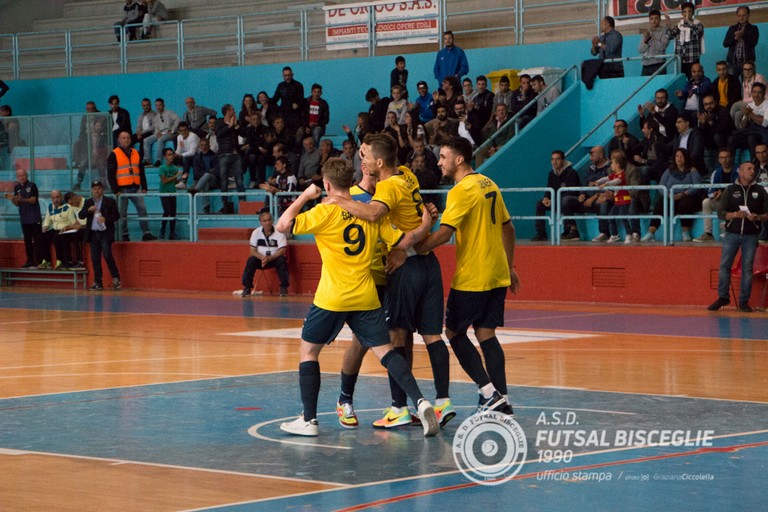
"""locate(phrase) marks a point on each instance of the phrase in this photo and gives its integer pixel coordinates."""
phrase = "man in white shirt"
(268, 249)
(166, 123)
(754, 124)
(186, 149)
(145, 126)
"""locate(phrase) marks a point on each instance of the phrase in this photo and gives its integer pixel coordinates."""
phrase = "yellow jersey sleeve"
(400, 193)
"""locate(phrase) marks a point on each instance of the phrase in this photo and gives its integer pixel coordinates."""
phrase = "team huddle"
(383, 219)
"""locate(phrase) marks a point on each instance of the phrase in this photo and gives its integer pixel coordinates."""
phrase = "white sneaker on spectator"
(649, 237)
(600, 238)
(628, 239)
(613, 239)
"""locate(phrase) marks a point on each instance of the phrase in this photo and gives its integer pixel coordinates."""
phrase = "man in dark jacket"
(289, 98)
(745, 205)
(101, 214)
(741, 40)
(561, 175)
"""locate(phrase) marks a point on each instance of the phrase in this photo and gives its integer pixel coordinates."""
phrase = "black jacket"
(108, 211)
(751, 35)
(734, 91)
(754, 197)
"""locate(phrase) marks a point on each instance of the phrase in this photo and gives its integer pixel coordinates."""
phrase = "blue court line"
(719, 326)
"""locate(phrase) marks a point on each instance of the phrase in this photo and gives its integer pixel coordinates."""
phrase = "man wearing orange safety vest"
(125, 172)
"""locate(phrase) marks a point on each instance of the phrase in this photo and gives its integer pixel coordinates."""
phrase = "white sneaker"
(649, 237)
(628, 239)
(600, 238)
(613, 239)
(428, 418)
(299, 427)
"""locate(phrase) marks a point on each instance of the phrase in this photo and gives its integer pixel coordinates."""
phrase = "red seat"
(759, 270)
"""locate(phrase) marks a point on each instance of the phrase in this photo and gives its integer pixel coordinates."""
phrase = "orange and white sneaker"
(346, 414)
(394, 419)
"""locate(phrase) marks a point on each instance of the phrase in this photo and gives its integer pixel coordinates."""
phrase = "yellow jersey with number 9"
(476, 210)
(346, 246)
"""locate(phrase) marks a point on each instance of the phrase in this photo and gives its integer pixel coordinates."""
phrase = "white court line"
(114, 361)
(8, 451)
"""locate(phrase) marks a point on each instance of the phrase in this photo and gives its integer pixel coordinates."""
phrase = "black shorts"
(478, 309)
(322, 326)
(414, 297)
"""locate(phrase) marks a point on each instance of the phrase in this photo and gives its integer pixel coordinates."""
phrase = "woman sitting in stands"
(687, 201)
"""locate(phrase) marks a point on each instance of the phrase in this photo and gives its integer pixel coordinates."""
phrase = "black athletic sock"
(347, 387)
(398, 370)
(399, 397)
(470, 360)
(309, 384)
(441, 369)
(495, 364)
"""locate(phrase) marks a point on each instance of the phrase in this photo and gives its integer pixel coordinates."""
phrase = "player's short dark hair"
(382, 146)
(461, 147)
(338, 172)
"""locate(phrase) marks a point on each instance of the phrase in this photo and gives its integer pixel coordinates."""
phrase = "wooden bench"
(76, 277)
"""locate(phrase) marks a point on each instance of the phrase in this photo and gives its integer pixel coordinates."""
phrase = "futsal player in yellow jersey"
(414, 293)
(485, 251)
(346, 292)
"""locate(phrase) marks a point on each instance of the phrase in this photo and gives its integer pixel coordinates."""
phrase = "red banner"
(641, 7)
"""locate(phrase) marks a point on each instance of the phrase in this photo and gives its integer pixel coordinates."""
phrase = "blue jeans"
(230, 164)
(731, 245)
(141, 210)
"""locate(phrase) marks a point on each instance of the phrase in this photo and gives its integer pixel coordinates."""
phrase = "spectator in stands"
(465, 125)
(688, 35)
(327, 151)
(726, 89)
(58, 218)
(125, 172)
(281, 149)
(230, 163)
(754, 123)
(268, 250)
(398, 106)
(691, 139)
(543, 99)
(609, 46)
(649, 158)
(653, 42)
(430, 160)
(479, 106)
(662, 111)
(503, 94)
(206, 167)
(639, 200)
(133, 14)
(25, 197)
(186, 149)
(169, 174)
(746, 206)
(424, 103)
(211, 134)
(741, 40)
(101, 213)
(723, 174)
(74, 233)
(715, 123)
(283, 135)
(399, 76)
(196, 116)
(264, 105)
(452, 88)
(427, 179)
(396, 131)
(361, 128)
(561, 175)
(80, 149)
(166, 124)
(467, 90)
(621, 200)
(591, 201)
(247, 107)
(697, 86)
(377, 112)
(521, 98)
(351, 154)
(145, 126)
(309, 165)
(688, 201)
(495, 131)
(750, 76)
(289, 99)
(621, 139)
(256, 151)
(282, 181)
(121, 119)
(413, 128)
(450, 61)
(441, 128)
(317, 114)
(156, 12)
